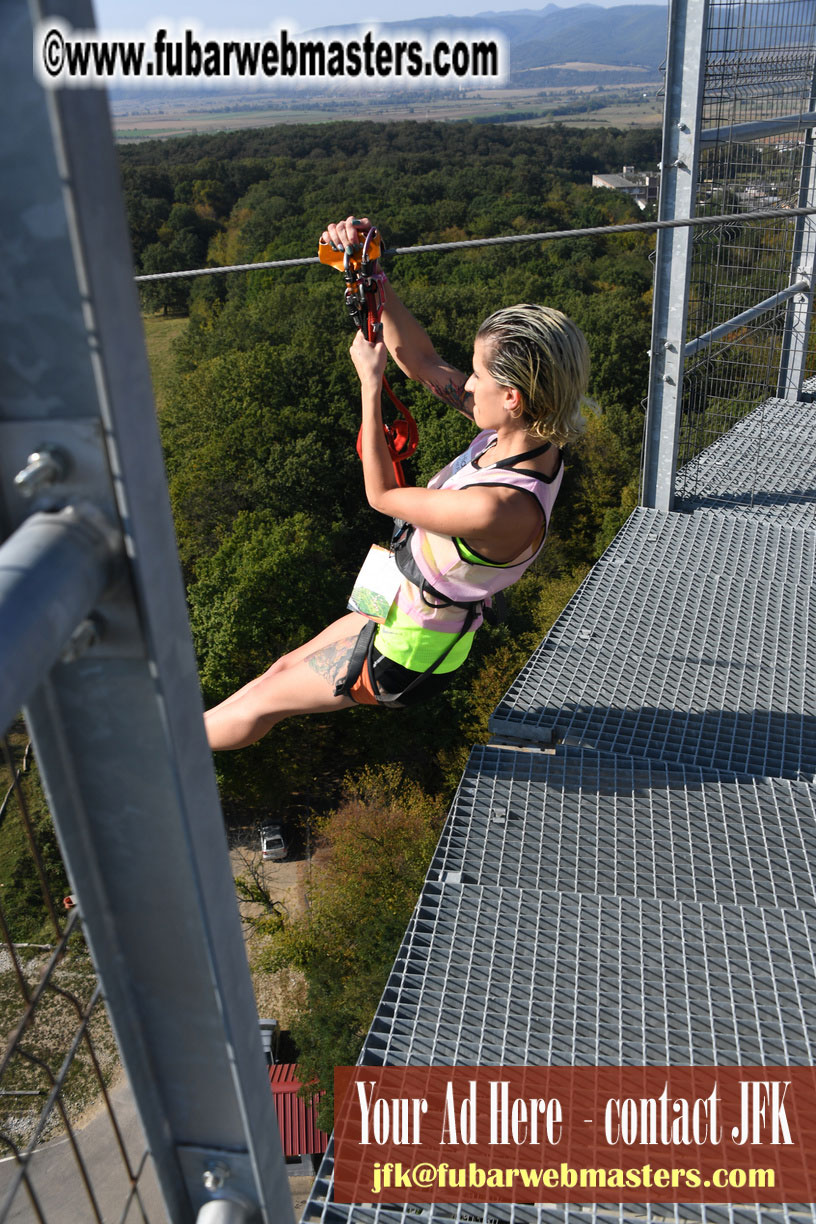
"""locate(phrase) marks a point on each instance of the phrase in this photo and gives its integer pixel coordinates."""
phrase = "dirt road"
(277, 994)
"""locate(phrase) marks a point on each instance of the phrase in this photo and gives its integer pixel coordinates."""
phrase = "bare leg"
(301, 682)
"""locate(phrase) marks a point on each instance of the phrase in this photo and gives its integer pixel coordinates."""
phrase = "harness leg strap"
(357, 658)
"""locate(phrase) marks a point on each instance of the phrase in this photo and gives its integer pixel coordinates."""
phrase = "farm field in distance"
(147, 116)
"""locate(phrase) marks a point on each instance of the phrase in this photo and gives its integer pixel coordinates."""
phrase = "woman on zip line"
(473, 531)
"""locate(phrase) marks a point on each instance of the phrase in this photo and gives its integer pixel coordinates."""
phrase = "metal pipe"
(758, 128)
(53, 571)
(747, 316)
(224, 1211)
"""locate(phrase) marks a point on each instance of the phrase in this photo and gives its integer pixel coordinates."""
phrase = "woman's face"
(492, 401)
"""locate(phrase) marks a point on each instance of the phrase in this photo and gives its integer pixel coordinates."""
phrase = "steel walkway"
(626, 874)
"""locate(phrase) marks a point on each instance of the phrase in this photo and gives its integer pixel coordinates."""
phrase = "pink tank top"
(453, 569)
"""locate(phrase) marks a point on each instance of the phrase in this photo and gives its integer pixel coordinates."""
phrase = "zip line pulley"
(365, 298)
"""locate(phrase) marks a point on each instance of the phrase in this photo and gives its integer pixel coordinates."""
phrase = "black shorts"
(372, 679)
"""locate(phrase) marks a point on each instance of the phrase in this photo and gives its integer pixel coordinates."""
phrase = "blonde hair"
(544, 356)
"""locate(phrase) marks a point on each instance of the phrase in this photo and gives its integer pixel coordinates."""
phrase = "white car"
(273, 844)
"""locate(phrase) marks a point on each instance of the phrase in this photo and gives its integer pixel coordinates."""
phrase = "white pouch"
(376, 585)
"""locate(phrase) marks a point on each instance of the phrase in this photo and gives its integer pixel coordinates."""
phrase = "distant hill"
(626, 36)
(632, 35)
(579, 45)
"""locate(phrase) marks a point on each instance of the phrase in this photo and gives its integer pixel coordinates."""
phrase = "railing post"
(803, 262)
(678, 186)
(118, 731)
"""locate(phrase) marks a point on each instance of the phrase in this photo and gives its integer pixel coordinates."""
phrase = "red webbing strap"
(402, 437)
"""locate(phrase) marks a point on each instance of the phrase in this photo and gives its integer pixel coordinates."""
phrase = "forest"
(259, 420)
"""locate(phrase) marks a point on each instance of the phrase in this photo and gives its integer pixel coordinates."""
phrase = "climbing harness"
(365, 299)
(360, 680)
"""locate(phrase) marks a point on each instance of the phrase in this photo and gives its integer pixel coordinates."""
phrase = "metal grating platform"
(739, 546)
(777, 418)
(614, 826)
(321, 1209)
(499, 976)
(764, 465)
(649, 896)
(676, 665)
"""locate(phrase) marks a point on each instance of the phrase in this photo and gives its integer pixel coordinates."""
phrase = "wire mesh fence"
(759, 66)
(68, 1148)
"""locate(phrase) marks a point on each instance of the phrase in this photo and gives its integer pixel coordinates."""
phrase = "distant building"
(759, 195)
(642, 187)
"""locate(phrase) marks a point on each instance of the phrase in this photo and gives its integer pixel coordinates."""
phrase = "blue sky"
(255, 15)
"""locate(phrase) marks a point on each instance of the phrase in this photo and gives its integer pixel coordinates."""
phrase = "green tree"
(378, 844)
(259, 429)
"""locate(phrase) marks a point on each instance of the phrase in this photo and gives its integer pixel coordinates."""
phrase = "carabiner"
(365, 300)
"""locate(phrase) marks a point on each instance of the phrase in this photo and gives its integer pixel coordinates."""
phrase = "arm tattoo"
(454, 394)
(331, 662)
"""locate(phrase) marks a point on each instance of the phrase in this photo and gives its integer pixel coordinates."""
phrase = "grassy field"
(160, 332)
(645, 113)
(630, 105)
(24, 910)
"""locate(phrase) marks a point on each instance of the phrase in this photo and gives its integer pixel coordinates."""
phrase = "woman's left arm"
(474, 512)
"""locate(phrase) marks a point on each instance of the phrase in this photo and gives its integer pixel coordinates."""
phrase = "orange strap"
(362, 690)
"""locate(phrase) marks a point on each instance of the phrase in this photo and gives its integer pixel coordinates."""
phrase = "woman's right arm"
(406, 339)
(411, 347)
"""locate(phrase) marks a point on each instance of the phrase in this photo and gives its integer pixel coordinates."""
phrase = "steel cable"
(630, 227)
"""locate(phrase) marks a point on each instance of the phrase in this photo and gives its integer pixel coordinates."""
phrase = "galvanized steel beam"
(118, 732)
(796, 335)
(681, 127)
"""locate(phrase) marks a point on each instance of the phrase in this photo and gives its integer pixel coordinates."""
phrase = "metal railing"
(732, 304)
(95, 649)
(60, 1060)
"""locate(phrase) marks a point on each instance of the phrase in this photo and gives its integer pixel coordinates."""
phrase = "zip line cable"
(631, 227)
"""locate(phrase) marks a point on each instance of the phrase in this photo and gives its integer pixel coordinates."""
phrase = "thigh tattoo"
(332, 661)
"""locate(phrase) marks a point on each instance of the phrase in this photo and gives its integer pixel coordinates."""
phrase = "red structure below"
(297, 1119)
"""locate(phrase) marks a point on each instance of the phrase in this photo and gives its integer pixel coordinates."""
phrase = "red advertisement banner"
(575, 1134)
